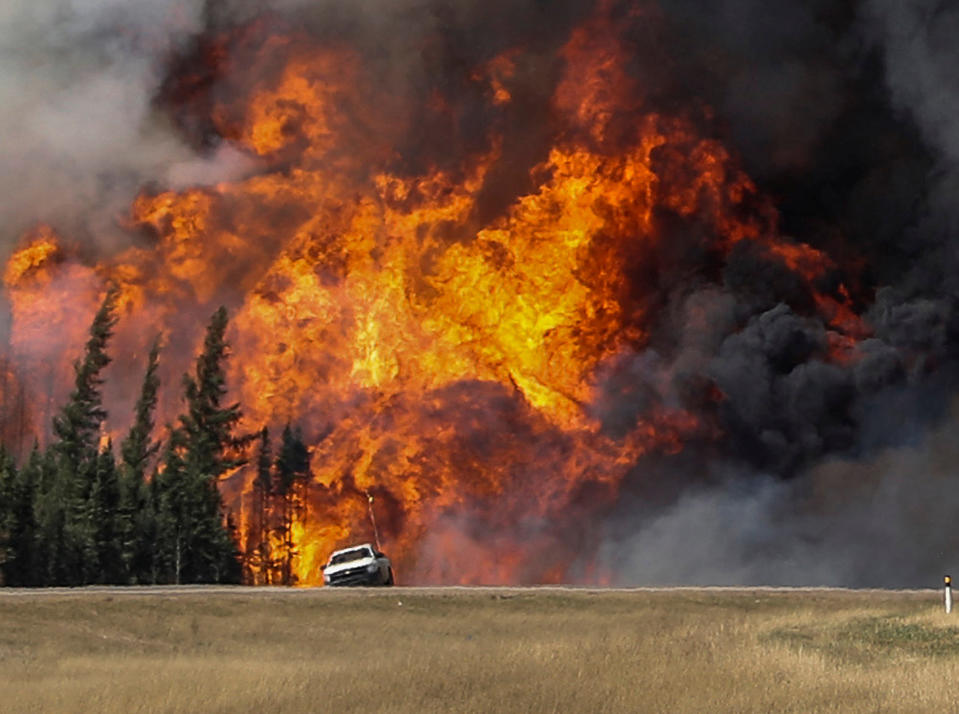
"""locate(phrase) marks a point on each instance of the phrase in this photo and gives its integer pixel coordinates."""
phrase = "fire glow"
(443, 360)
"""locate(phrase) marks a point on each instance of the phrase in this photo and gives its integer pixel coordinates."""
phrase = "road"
(175, 590)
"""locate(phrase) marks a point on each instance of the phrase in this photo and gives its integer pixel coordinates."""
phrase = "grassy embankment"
(414, 651)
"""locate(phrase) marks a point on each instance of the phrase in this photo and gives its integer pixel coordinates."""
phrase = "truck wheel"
(389, 577)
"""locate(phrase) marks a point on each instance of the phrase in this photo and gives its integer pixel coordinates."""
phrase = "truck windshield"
(347, 556)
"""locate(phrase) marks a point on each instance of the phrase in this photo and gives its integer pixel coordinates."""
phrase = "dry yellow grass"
(478, 651)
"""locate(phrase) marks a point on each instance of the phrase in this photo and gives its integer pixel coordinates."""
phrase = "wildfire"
(443, 363)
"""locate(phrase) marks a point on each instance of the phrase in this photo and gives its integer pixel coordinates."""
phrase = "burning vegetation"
(496, 297)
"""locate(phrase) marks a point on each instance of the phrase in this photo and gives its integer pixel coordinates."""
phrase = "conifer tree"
(137, 531)
(22, 565)
(195, 544)
(138, 542)
(106, 566)
(145, 567)
(77, 427)
(8, 480)
(56, 557)
(136, 527)
(292, 474)
(174, 518)
(70, 534)
(259, 556)
(138, 447)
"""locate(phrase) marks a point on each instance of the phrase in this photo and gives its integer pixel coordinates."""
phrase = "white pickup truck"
(358, 565)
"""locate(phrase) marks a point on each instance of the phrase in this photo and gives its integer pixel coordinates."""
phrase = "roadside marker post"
(947, 593)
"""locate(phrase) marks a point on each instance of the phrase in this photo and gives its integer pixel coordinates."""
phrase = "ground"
(476, 650)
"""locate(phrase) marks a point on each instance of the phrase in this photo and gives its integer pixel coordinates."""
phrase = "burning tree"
(291, 492)
(258, 550)
(280, 503)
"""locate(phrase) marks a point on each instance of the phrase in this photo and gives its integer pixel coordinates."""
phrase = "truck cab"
(358, 565)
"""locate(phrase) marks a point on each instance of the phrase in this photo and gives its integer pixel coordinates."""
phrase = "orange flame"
(444, 365)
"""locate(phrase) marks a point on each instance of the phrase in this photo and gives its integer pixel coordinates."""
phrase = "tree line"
(80, 512)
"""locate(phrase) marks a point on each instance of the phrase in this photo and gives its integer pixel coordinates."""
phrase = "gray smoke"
(886, 521)
(79, 133)
(918, 38)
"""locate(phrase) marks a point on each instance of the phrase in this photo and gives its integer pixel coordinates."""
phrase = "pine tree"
(292, 478)
(136, 527)
(106, 567)
(76, 448)
(259, 556)
(8, 480)
(195, 544)
(143, 566)
(174, 518)
(22, 565)
(77, 427)
(56, 560)
(138, 448)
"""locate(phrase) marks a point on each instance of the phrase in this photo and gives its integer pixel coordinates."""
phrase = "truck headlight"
(372, 568)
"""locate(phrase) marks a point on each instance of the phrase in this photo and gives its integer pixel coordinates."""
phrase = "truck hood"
(350, 565)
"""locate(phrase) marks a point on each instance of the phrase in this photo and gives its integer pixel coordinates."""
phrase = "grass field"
(407, 650)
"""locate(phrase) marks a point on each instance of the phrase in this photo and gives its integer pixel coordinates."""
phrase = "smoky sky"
(846, 114)
(77, 126)
(882, 521)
